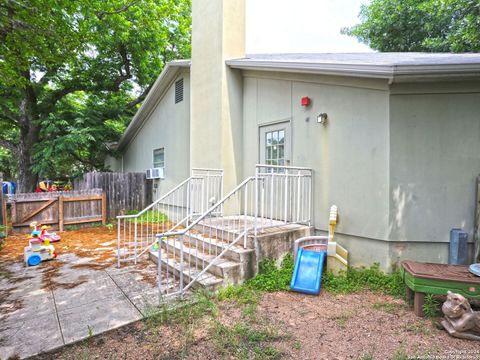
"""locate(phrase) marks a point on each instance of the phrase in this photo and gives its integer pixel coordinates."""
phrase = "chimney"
(216, 130)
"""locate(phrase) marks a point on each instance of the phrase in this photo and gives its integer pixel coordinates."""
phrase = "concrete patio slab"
(92, 318)
(68, 300)
(29, 336)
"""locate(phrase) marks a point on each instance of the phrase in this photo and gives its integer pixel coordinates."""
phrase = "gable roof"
(155, 94)
(391, 66)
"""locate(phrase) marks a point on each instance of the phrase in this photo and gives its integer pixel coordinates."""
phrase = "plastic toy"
(38, 251)
(310, 255)
(42, 233)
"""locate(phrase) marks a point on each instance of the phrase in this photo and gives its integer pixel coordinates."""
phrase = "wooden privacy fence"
(124, 191)
(58, 208)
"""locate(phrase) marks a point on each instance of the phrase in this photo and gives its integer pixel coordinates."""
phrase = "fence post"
(104, 208)
(60, 213)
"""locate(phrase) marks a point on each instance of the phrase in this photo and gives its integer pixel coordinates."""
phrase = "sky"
(301, 26)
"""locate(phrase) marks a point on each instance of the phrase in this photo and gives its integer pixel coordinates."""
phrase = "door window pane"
(275, 147)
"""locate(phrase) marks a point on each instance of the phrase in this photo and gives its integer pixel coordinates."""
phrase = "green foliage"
(199, 304)
(419, 25)
(72, 74)
(271, 277)
(149, 216)
(431, 307)
(354, 280)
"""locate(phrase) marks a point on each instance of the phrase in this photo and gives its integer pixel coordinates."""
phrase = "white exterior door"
(275, 144)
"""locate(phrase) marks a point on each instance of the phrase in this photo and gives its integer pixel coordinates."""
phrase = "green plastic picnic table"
(429, 278)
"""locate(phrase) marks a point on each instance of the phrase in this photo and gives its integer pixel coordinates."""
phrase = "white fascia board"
(387, 71)
(154, 95)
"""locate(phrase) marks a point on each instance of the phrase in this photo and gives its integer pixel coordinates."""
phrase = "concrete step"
(207, 280)
(197, 255)
(215, 246)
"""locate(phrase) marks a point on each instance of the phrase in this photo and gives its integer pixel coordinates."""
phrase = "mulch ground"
(354, 326)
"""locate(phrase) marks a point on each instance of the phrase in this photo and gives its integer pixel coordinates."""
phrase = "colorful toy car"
(42, 233)
(38, 251)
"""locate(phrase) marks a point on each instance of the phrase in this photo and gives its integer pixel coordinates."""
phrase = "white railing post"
(135, 237)
(118, 238)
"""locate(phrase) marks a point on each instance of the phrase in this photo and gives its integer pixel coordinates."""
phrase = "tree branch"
(140, 98)
(101, 14)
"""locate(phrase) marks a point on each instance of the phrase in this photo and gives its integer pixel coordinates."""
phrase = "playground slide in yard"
(307, 273)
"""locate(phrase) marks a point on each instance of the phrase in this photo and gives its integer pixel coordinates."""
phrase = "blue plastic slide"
(307, 274)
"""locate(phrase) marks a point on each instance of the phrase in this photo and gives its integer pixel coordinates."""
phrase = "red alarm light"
(305, 101)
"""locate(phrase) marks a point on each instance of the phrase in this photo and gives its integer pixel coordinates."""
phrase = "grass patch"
(246, 340)
(355, 280)
(149, 216)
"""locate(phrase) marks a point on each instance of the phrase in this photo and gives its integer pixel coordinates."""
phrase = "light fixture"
(322, 118)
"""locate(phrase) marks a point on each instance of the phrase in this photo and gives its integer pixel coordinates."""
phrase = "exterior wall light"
(322, 118)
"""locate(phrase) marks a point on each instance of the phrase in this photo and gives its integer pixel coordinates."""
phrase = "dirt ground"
(354, 326)
(282, 325)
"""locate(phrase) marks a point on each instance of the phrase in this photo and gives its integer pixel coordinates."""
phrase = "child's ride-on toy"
(42, 233)
(38, 251)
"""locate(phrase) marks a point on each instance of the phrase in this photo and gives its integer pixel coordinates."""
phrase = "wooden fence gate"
(58, 209)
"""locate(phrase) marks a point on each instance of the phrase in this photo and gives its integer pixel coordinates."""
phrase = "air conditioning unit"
(154, 173)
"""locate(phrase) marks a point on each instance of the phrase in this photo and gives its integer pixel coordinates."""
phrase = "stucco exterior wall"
(350, 155)
(399, 160)
(168, 126)
(216, 101)
(434, 161)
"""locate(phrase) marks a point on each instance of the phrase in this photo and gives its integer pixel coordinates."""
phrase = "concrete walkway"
(54, 304)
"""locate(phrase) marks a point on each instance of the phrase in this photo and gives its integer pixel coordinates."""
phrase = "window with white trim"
(159, 158)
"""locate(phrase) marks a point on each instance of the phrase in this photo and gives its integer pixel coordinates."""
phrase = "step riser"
(229, 274)
(186, 278)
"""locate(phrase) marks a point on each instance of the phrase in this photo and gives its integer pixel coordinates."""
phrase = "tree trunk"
(29, 135)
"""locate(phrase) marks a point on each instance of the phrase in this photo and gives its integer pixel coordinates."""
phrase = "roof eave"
(392, 73)
(154, 95)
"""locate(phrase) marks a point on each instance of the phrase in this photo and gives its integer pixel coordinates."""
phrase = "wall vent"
(178, 91)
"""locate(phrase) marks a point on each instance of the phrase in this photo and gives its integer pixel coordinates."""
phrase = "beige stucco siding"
(168, 127)
(350, 155)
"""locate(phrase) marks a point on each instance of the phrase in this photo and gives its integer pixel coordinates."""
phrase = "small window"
(159, 158)
(178, 91)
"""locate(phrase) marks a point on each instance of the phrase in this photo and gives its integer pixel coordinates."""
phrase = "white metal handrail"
(136, 233)
(276, 195)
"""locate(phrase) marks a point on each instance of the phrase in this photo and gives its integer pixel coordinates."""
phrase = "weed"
(342, 318)
(355, 280)
(400, 354)
(90, 331)
(109, 226)
(366, 356)
(246, 339)
(297, 345)
(418, 328)
(387, 307)
(431, 307)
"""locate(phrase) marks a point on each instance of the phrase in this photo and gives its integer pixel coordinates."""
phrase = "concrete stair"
(199, 251)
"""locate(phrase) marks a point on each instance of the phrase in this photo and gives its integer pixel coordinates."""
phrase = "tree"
(73, 72)
(419, 25)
